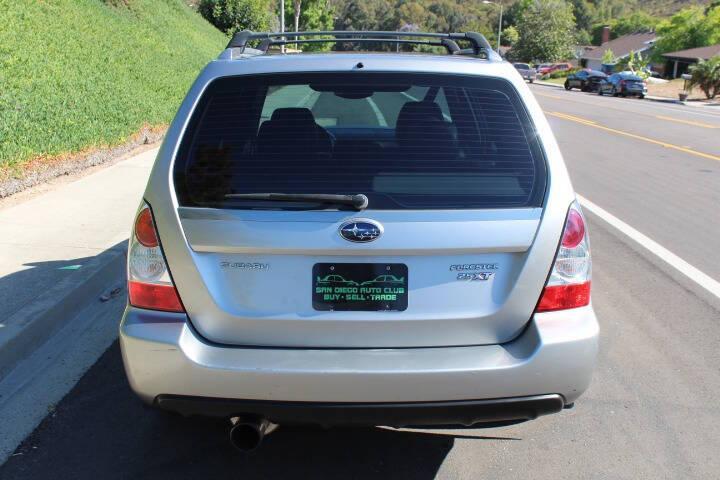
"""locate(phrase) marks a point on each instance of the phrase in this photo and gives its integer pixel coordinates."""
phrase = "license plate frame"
(360, 287)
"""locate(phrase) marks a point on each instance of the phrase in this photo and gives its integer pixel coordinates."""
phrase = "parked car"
(381, 279)
(543, 68)
(526, 71)
(585, 80)
(623, 84)
(335, 280)
(547, 70)
(237, 225)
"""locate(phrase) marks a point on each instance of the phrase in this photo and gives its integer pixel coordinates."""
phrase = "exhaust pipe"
(247, 433)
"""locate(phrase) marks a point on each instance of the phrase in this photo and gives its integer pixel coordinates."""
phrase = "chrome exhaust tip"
(247, 433)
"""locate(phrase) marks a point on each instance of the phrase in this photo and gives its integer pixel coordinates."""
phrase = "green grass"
(82, 73)
(559, 81)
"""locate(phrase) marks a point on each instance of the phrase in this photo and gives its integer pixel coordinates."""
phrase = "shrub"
(563, 73)
(231, 16)
(706, 75)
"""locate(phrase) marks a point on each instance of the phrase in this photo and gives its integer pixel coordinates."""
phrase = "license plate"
(363, 287)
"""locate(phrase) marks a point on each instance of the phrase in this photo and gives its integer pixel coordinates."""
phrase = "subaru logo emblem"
(360, 230)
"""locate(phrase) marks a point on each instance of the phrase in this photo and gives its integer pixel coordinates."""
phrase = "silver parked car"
(526, 71)
(359, 239)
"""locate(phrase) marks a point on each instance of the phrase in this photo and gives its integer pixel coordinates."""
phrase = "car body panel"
(623, 84)
(196, 241)
(456, 341)
(526, 71)
(587, 81)
(555, 354)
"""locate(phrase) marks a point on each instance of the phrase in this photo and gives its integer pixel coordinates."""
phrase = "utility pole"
(500, 28)
(282, 23)
(488, 2)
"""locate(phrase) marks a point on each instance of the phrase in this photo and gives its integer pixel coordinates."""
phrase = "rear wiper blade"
(359, 202)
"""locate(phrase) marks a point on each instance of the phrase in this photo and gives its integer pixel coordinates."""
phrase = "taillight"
(145, 229)
(569, 282)
(149, 282)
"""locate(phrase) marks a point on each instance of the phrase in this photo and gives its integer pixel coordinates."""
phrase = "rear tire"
(600, 92)
(567, 86)
(531, 80)
(614, 92)
(641, 96)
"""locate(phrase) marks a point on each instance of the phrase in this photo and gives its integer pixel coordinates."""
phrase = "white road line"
(694, 274)
(380, 117)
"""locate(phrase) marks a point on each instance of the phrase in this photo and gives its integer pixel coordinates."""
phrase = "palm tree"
(706, 75)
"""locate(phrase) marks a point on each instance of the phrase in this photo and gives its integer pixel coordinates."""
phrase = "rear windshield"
(522, 66)
(405, 141)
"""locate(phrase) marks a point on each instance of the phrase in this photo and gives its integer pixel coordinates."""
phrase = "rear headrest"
(293, 131)
(297, 116)
(421, 130)
(417, 119)
(424, 109)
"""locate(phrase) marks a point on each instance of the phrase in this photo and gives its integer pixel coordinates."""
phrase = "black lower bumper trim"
(466, 412)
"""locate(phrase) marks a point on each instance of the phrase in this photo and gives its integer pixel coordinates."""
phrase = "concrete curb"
(33, 325)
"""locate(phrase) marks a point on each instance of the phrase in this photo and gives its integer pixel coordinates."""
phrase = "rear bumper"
(471, 412)
(167, 362)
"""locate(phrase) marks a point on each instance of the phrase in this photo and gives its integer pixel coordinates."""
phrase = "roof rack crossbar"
(479, 43)
(357, 40)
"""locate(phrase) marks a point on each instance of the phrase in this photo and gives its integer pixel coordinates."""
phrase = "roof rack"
(479, 46)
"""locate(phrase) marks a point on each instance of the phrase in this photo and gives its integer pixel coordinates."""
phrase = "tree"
(297, 5)
(234, 15)
(584, 14)
(689, 28)
(636, 63)
(365, 15)
(546, 31)
(706, 75)
(635, 22)
(312, 15)
(510, 36)
(514, 11)
(608, 57)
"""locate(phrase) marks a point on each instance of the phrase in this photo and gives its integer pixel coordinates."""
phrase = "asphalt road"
(651, 411)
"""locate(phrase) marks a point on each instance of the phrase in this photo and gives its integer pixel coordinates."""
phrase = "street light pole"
(500, 28)
(282, 22)
(488, 2)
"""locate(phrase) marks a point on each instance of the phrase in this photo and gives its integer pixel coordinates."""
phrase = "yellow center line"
(687, 122)
(567, 116)
(590, 123)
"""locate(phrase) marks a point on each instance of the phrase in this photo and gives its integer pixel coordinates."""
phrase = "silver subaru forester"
(355, 238)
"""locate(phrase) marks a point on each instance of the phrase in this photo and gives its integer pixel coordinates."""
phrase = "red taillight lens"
(569, 282)
(561, 297)
(149, 283)
(145, 229)
(154, 296)
(574, 230)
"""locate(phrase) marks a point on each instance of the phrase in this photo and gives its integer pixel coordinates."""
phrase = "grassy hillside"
(81, 73)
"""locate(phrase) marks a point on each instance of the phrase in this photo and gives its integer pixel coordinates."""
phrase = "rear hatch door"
(445, 253)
